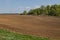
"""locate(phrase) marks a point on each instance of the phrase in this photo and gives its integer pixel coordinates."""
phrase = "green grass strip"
(6, 35)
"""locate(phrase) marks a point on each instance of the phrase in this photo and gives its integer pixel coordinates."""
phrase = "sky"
(18, 6)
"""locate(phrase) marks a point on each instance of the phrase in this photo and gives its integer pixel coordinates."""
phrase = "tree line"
(49, 10)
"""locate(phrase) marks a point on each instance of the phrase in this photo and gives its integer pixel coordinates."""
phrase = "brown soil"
(34, 25)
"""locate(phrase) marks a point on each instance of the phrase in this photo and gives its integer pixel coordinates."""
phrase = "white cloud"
(37, 6)
(24, 8)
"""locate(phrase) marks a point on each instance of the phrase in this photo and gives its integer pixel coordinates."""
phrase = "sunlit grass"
(6, 35)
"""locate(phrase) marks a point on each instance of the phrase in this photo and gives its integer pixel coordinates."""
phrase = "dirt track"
(33, 25)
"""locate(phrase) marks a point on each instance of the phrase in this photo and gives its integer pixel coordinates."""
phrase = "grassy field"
(6, 35)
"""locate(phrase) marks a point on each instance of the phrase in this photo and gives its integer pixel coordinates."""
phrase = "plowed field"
(45, 26)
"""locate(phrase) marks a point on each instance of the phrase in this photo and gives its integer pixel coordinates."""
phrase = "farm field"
(42, 26)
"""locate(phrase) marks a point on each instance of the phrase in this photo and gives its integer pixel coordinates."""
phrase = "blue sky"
(17, 6)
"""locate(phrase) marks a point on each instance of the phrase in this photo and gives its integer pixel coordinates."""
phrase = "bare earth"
(33, 25)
